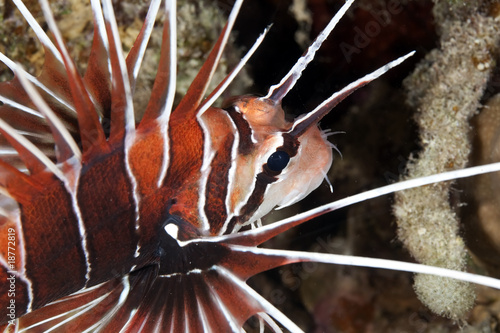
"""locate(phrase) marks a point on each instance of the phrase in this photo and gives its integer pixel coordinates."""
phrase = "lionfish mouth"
(96, 248)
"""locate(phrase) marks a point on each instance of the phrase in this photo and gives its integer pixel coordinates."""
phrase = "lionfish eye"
(278, 160)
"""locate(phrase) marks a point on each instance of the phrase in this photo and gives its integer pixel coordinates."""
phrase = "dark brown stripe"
(107, 206)
(245, 144)
(254, 201)
(217, 186)
(290, 144)
(55, 260)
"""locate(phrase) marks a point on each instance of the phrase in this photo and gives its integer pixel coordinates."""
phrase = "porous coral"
(446, 89)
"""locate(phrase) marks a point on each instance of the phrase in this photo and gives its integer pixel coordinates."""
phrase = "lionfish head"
(291, 157)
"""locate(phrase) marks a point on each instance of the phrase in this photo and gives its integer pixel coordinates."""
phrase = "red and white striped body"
(136, 228)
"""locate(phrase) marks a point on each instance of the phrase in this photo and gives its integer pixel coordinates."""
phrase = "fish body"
(150, 226)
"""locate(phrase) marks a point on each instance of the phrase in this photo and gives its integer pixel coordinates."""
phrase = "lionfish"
(154, 226)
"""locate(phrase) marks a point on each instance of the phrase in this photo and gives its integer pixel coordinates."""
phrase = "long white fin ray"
(278, 91)
(32, 149)
(49, 114)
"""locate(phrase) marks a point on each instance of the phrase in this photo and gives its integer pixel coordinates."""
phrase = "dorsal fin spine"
(35, 160)
(136, 53)
(122, 109)
(16, 184)
(163, 92)
(67, 147)
(191, 101)
(87, 116)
